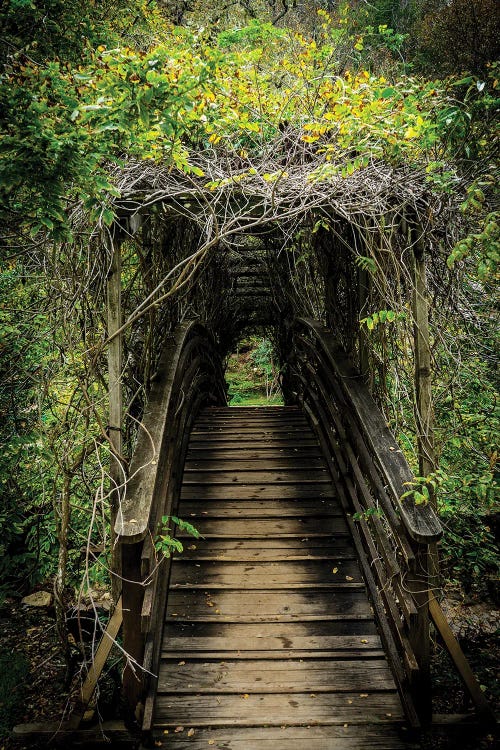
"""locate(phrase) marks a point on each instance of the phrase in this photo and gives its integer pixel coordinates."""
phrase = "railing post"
(418, 583)
(133, 641)
(115, 357)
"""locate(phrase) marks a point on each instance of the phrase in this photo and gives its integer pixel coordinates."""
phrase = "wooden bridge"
(301, 616)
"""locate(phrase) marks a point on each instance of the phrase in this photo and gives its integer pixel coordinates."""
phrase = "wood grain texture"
(269, 637)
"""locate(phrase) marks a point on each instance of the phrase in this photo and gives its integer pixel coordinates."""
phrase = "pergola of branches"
(336, 242)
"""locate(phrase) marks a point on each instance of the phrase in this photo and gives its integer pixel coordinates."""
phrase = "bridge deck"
(269, 639)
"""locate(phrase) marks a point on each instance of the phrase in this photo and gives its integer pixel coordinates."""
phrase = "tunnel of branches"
(257, 281)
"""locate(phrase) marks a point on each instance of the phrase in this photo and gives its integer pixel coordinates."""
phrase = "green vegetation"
(86, 87)
(252, 374)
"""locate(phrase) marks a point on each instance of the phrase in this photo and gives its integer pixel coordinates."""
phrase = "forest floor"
(32, 669)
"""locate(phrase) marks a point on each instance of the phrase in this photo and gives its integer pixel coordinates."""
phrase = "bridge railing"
(189, 377)
(393, 535)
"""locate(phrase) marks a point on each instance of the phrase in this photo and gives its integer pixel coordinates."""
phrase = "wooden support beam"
(133, 641)
(115, 357)
(101, 655)
(484, 710)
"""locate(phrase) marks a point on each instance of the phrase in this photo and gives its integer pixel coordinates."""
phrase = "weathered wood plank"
(255, 451)
(245, 508)
(252, 464)
(263, 676)
(263, 604)
(262, 491)
(270, 549)
(266, 527)
(349, 737)
(248, 709)
(277, 632)
(297, 477)
(264, 575)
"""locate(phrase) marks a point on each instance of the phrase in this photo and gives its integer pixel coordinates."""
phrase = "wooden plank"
(276, 654)
(483, 708)
(349, 737)
(263, 676)
(266, 527)
(253, 452)
(228, 443)
(259, 508)
(59, 734)
(255, 464)
(292, 605)
(297, 477)
(247, 433)
(270, 549)
(105, 645)
(263, 575)
(336, 633)
(262, 491)
(277, 710)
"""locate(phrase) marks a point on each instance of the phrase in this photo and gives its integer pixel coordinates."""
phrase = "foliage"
(458, 36)
(167, 544)
(14, 670)
(251, 373)
(97, 85)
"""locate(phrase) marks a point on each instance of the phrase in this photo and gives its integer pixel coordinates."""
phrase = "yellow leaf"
(335, 570)
(411, 133)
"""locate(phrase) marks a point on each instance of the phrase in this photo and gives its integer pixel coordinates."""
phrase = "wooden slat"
(278, 709)
(267, 527)
(297, 477)
(264, 575)
(285, 633)
(260, 508)
(291, 605)
(262, 491)
(254, 464)
(349, 737)
(269, 549)
(255, 451)
(264, 676)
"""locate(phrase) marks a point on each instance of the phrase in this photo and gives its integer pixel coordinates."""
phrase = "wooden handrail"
(147, 469)
(392, 535)
(189, 376)
(420, 521)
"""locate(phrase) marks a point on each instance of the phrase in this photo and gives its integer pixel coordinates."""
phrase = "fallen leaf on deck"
(191, 732)
(179, 729)
(335, 570)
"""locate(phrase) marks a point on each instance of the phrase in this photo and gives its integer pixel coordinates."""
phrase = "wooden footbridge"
(300, 617)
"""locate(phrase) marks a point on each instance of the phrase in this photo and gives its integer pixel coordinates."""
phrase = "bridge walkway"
(269, 639)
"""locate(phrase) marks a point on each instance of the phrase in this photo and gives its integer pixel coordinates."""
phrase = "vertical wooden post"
(114, 316)
(363, 296)
(133, 640)
(424, 414)
(418, 585)
(424, 577)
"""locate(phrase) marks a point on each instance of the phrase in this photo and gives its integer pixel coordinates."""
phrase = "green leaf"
(108, 216)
